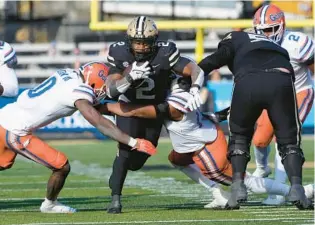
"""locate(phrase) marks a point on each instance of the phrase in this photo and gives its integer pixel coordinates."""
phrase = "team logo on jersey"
(126, 64)
(275, 17)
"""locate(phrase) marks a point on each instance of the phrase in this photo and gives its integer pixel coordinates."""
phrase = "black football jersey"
(246, 52)
(155, 88)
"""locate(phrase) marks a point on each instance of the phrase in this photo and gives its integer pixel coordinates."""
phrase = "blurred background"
(56, 34)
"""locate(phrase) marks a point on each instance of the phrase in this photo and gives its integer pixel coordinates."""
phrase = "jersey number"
(141, 92)
(42, 88)
(293, 37)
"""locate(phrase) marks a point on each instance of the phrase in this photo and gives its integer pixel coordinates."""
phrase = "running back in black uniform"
(154, 89)
(263, 79)
(164, 60)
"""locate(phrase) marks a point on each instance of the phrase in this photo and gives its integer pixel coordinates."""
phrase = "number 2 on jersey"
(42, 88)
(140, 93)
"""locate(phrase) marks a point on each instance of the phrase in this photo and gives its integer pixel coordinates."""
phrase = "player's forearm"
(215, 61)
(109, 129)
(197, 77)
(129, 110)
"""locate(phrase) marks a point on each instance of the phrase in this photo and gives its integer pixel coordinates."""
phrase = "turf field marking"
(169, 221)
(40, 189)
(45, 182)
(163, 185)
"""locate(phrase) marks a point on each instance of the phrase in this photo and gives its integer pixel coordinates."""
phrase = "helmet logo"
(101, 75)
(277, 16)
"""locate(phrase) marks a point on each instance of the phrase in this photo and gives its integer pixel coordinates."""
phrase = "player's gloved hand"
(145, 146)
(195, 101)
(139, 72)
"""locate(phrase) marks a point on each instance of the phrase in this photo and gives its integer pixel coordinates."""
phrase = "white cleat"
(262, 172)
(55, 207)
(214, 205)
(220, 198)
(309, 191)
(274, 200)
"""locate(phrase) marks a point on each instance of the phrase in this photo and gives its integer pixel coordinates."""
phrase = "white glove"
(194, 102)
(140, 72)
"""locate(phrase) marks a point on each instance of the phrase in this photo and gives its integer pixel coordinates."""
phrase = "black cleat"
(298, 198)
(115, 206)
(238, 195)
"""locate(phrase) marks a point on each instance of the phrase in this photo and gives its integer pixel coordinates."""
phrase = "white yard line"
(143, 181)
(169, 221)
(41, 189)
(45, 182)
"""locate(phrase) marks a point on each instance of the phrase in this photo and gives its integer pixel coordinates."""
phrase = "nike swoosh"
(156, 65)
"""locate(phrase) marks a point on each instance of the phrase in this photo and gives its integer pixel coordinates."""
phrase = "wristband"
(132, 142)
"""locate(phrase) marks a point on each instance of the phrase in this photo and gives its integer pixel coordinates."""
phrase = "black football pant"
(273, 91)
(126, 159)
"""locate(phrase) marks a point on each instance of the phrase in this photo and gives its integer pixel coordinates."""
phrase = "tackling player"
(148, 82)
(60, 95)
(199, 146)
(270, 21)
(8, 80)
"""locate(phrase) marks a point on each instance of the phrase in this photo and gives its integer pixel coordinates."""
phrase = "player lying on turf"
(199, 146)
(60, 95)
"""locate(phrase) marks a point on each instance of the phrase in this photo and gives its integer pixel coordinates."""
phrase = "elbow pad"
(162, 111)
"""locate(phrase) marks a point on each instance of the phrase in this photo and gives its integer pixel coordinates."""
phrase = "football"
(136, 83)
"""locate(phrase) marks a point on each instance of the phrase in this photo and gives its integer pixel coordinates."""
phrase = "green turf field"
(158, 194)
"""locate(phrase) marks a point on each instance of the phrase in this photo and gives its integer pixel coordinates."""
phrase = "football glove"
(145, 146)
(139, 72)
(195, 101)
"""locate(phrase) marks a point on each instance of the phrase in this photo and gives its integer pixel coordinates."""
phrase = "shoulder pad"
(169, 50)
(116, 53)
(179, 100)
(299, 45)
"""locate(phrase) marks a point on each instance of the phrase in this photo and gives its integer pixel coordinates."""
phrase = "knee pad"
(178, 159)
(238, 146)
(285, 150)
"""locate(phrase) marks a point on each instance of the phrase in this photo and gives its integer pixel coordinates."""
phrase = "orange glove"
(145, 146)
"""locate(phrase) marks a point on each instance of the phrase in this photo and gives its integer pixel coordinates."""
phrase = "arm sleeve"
(82, 91)
(9, 81)
(306, 50)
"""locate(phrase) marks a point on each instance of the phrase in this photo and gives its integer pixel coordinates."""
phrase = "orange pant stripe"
(306, 105)
(210, 168)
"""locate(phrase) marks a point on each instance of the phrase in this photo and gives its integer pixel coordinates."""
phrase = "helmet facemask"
(142, 48)
(273, 32)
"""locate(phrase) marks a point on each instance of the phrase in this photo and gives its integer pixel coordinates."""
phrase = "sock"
(119, 173)
(239, 164)
(264, 185)
(261, 156)
(293, 165)
(194, 173)
(280, 174)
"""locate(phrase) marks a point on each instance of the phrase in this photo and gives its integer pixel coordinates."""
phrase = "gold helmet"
(142, 35)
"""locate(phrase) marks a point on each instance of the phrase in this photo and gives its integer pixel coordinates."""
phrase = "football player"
(60, 95)
(270, 20)
(150, 62)
(8, 80)
(199, 146)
